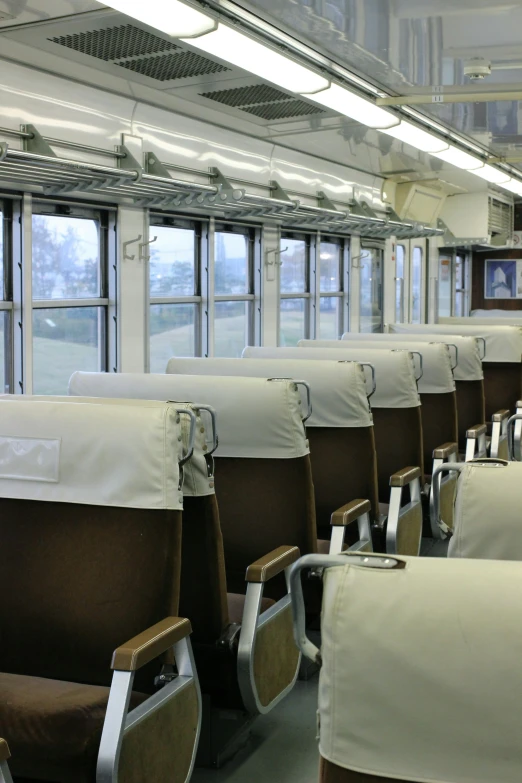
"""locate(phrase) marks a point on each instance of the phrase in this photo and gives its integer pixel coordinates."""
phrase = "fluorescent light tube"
(351, 105)
(491, 174)
(514, 186)
(460, 159)
(416, 137)
(239, 49)
(169, 16)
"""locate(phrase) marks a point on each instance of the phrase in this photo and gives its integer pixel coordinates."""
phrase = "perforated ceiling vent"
(264, 102)
(113, 43)
(140, 51)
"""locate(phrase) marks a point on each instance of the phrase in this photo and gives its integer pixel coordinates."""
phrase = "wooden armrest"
(350, 512)
(404, 476)
(444, 451)
(500, 415)
(4, 750)
(272, 564)
(148, 645)
(476, 431)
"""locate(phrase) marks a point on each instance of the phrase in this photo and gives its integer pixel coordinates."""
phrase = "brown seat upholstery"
(79, 580)
(439, 424)
(236, 606)
(502, 386)
(471, 407)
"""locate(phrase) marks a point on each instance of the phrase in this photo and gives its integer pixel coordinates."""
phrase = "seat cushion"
(52, 720)
(236, 603)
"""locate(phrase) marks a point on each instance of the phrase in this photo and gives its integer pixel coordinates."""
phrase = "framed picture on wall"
(502, 279)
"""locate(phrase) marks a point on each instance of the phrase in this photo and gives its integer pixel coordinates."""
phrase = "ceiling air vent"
(113, 43)
(165, 67)
(264, 102)
(500, 217)
(141, 52)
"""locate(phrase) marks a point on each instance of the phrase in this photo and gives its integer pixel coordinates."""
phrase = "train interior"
(260, 391)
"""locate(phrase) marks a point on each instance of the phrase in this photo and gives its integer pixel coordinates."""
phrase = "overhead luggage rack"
(38, 169)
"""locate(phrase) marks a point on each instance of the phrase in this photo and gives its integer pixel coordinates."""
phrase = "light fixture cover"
(416, 137)
(491, 174)
(171, 16)
(239, 49)
(456, 157)
(351, 105)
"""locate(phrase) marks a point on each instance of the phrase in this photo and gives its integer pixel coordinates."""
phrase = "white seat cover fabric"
(421, 672)
(196, 481)
(503, 343)
(394, 370)
(114, 455)
(437, 376)
(488, 516)
(469, 350)
(495, 314)
(338, 388)
(255, 417)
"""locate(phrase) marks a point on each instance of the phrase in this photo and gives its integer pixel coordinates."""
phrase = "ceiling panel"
(410, 47)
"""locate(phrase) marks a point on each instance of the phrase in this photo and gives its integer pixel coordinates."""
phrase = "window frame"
(105, 302)
(6, 300)
(313, 294)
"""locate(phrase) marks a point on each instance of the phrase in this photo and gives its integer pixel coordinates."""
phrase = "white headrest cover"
(394, 370)
(443, 637)
(488, 316)
(469, 350)
(196, 481)
(338, 388)
(256, 417)
(92, 454)
(488, 522)
(437, 375)
(503, 343)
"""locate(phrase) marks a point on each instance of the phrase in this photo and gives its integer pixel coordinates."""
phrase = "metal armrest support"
(322, 562)
(438, 526)
(404, 526)
(476, 442)
(272, 564)
(5, 775)
(259, 628)
(514, 436)
(448, 453)
(171, 633)
(499, 436)
(356, 511)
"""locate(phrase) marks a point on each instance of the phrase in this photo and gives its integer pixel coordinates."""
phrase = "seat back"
(468, 372)
(91, 529)
(452, 669)
(502, 362)
(395, 404)
(202, 599)
(339, 429)
(487, 511)
(436, 386)
(264, 482)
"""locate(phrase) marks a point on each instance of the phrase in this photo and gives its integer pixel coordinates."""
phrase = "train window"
(400, 254)
(6, 303)
(69, 298)
(370, 302)
(233, 291)
(331, 290)
(175, 301)
(294, 290)
(416, 286)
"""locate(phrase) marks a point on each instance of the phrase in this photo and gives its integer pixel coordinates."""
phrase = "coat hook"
(276, 253)
(146, 256)
(126, 257)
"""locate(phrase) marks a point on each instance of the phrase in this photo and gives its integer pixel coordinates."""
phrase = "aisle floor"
(283, 747)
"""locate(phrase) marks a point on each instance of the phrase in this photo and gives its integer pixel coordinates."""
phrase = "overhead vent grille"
(166, 67)
(501, 217)
(141, 52)
(113, 43)
(264, 102)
